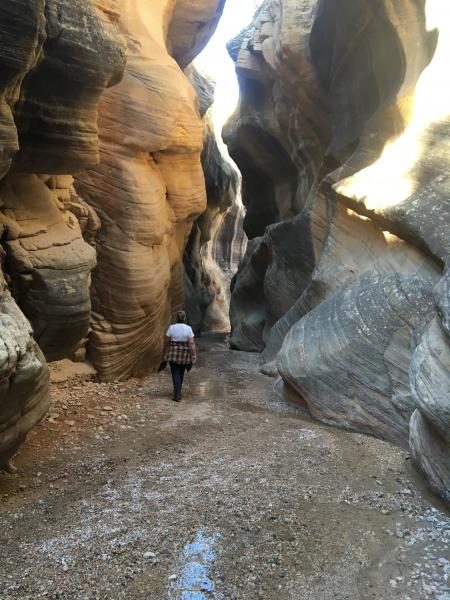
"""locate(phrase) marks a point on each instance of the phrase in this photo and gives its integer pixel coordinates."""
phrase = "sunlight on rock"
(390, 238)
(391, 179)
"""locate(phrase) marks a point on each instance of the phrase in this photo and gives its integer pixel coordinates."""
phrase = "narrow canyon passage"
(231, 494)
(276, 174)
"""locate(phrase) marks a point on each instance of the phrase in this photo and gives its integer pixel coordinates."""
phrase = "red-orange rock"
(148, 188)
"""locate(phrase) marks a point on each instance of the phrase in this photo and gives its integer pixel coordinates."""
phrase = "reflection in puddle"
(202, 389)
(194, 580)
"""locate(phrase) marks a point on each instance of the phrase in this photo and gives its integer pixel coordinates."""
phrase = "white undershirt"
(180, 332)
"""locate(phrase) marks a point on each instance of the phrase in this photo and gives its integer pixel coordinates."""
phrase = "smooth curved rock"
(191, 26)
(24, 389)
(430, 378)
(430, 425)
(19, 51)
(248, 313)
(206, 283)
(431, 453)
(68, 54)
(349, 357)
(345, 245)
(282, 267)
(344, 108)
(56, 58)
(147, 191)
(47, 260)
(80, 56)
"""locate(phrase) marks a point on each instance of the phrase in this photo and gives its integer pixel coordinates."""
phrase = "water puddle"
(194, 579)
(202, 389)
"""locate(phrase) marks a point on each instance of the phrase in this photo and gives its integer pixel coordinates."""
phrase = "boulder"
(24, 390)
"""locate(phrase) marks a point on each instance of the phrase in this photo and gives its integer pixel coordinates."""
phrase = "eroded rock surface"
(191, 25)
(24, 390)
(207, 282)
(131, 215)
(342, 137)
(56, 59)
(349, 357)
(47, 260)
(148, 188)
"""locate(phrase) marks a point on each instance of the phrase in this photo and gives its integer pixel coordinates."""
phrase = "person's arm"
(166, 347)
(193, 350)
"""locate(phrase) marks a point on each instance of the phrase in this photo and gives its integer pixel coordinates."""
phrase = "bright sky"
(215, 59)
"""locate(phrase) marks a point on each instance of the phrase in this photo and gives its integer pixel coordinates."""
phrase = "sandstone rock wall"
(192, 24)
(56, 58)
(342, 137)
(47, 261)
(24, 390)
(131, 215)
(149, 187)
(207, 282)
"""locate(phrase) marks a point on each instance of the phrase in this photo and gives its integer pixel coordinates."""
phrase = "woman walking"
(179, 350)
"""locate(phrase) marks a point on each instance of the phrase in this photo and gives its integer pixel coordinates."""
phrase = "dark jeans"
(177, 378)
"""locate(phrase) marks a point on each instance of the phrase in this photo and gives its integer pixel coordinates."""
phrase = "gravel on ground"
(230, 494)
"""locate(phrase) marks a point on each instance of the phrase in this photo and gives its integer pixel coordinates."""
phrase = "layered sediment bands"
(79, 57)
(24, 376)
(56, 58)
(345, 110)
(19, 51)
(430, 431)
(248, 311)
(356, 375)
(192, 24)
(47, 261)
(282, 267)
(148, 189)
(206, 282)
(344, 245)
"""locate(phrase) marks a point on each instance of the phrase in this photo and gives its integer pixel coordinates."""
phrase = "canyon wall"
(342, 135)
(56, 59)
(149, 187)
(122, 223)
(217, 230)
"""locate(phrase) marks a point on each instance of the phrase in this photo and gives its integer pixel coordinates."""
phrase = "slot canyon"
(305, 232)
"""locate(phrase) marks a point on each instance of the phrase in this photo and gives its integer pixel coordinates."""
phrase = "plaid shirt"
(179, 353)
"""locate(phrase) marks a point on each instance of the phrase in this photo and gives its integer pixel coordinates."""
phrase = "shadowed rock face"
(80, 57)
(356, 374)
(24, 389)
(207, 282)
(56, 58)
(47, 261)
(149, 187)
(191, 26)
(342, 136)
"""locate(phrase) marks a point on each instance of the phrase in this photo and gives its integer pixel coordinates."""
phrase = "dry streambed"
(122, 493)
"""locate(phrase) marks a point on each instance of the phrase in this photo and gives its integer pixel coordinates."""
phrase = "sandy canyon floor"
(231, 494)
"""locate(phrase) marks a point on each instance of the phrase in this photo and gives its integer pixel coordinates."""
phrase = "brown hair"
(181, 316)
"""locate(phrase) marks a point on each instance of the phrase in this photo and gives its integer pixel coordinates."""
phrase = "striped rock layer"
(56, 59)
(122, 224)
(342, 137)
(149, 186)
